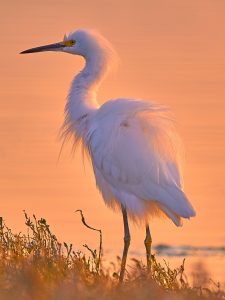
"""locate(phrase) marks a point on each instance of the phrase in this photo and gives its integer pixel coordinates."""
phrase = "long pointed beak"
(50, 47)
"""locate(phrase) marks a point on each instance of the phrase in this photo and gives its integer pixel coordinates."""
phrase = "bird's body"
(133, 151)
(133, 144)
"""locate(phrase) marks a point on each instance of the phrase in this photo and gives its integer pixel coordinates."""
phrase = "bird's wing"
(134, 146)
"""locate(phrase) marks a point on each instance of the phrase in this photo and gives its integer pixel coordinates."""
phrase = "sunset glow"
(172, 52)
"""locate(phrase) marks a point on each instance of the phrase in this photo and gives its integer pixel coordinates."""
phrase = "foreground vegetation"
(37, 266)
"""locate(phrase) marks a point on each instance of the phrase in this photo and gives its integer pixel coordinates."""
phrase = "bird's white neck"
(81, 101)
(82, 95)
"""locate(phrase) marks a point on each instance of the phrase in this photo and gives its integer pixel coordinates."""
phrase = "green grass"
(37, 266)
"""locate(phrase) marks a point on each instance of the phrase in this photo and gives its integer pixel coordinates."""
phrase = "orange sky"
(171, 51)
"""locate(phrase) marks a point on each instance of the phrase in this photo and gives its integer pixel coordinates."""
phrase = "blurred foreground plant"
(37, 266)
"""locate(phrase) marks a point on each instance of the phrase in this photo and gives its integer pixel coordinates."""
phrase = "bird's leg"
(148, 243)
(126, 244)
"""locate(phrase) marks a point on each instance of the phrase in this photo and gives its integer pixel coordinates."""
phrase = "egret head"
(81, 42)
(87, 43)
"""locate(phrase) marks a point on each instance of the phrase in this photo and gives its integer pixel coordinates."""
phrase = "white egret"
(133, 145)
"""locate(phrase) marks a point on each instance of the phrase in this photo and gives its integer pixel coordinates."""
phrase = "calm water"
(174, 54)
(209, 261)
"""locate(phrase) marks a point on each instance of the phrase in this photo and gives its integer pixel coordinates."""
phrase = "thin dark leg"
(148, 244)
(126, 243)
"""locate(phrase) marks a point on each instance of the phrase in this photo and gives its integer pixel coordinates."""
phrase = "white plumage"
(135, 158)
(134, 148)
(133, 145)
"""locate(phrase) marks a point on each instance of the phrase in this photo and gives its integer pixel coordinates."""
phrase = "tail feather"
(171, 197)
(181, 205)
(176, 205)
(177, 220)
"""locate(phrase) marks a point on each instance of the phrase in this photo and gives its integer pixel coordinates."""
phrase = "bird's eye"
(69, 43)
